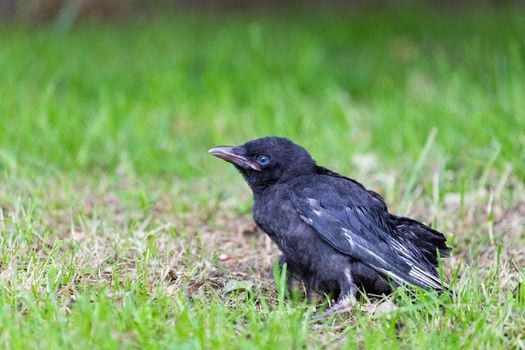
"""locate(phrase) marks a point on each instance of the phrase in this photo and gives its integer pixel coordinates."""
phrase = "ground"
(118, 230)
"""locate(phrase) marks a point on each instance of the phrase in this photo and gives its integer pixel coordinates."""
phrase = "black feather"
(350, 221)
(335, 235)
(428, 240)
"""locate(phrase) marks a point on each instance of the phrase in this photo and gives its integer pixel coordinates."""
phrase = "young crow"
(335, 235)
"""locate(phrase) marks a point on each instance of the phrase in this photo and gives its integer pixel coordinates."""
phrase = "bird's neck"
(258, 190)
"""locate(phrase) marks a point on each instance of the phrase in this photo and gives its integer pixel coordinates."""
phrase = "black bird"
(335, 235)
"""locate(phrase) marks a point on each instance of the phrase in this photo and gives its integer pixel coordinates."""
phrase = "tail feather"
(428, 240)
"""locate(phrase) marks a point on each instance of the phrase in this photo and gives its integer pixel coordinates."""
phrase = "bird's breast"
(283, 224)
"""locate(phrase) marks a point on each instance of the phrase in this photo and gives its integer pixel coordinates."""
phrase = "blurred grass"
(152, 96)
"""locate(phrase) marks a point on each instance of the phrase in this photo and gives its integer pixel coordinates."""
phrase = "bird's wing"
(351, 221)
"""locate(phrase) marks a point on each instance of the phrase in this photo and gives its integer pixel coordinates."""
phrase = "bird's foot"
(342, 306)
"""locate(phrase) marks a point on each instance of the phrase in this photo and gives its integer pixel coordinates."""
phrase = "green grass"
(118, 230)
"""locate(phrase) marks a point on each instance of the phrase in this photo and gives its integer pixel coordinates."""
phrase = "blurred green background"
(150, 94)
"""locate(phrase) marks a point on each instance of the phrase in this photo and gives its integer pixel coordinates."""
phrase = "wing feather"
(362, 231)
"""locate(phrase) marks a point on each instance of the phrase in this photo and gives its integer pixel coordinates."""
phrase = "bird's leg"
(280, 265)
(342, 305)
(289, 276)
(294, 282)
(347, 297)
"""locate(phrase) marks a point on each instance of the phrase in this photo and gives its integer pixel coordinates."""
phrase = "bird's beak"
(228, 154)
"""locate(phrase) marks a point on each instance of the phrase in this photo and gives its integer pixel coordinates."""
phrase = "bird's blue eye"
(263, 160)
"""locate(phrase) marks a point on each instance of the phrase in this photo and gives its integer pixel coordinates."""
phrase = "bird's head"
(266, 161)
